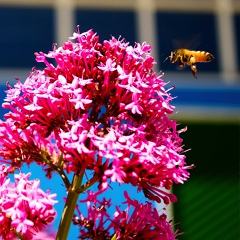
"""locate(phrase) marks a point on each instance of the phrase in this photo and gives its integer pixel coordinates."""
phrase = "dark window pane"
(107, 23)
(23, 32)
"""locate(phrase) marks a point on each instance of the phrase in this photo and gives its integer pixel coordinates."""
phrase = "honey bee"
(189, 57)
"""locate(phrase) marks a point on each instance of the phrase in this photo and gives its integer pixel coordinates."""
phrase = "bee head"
(173, 56)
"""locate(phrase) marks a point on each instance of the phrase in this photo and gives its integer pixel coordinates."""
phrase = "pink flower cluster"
(24, 208)
(137, 221)
(104, 109)
(98, 108)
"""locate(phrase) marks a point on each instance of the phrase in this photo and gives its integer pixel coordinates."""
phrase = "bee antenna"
(164, 54)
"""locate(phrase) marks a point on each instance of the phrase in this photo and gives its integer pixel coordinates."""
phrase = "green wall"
(208, 205)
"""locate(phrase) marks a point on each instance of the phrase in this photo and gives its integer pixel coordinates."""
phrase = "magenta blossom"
(99, 111)
(102, 108)
(25, 209)
(137, 221)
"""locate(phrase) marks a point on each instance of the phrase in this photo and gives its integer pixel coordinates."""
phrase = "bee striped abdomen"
(202, 56)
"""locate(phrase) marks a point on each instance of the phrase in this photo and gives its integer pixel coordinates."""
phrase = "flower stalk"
(69, 208)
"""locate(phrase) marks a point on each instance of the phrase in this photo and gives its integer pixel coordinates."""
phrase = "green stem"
(87, 185)
(69, 208)
(59, 168)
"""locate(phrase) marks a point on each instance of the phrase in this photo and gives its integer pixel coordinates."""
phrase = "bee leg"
(181, 62)
(194, 69)
(193, 66)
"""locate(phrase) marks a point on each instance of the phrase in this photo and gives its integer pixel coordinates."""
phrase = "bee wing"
(190, 42)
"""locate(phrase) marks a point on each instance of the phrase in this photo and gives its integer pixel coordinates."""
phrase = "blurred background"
(208, 206)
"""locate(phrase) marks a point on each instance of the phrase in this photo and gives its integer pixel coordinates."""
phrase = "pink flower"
(93, 226)
(24, 207)
(102, 108)
(137, 221)
(141, 221)
(27, 145)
